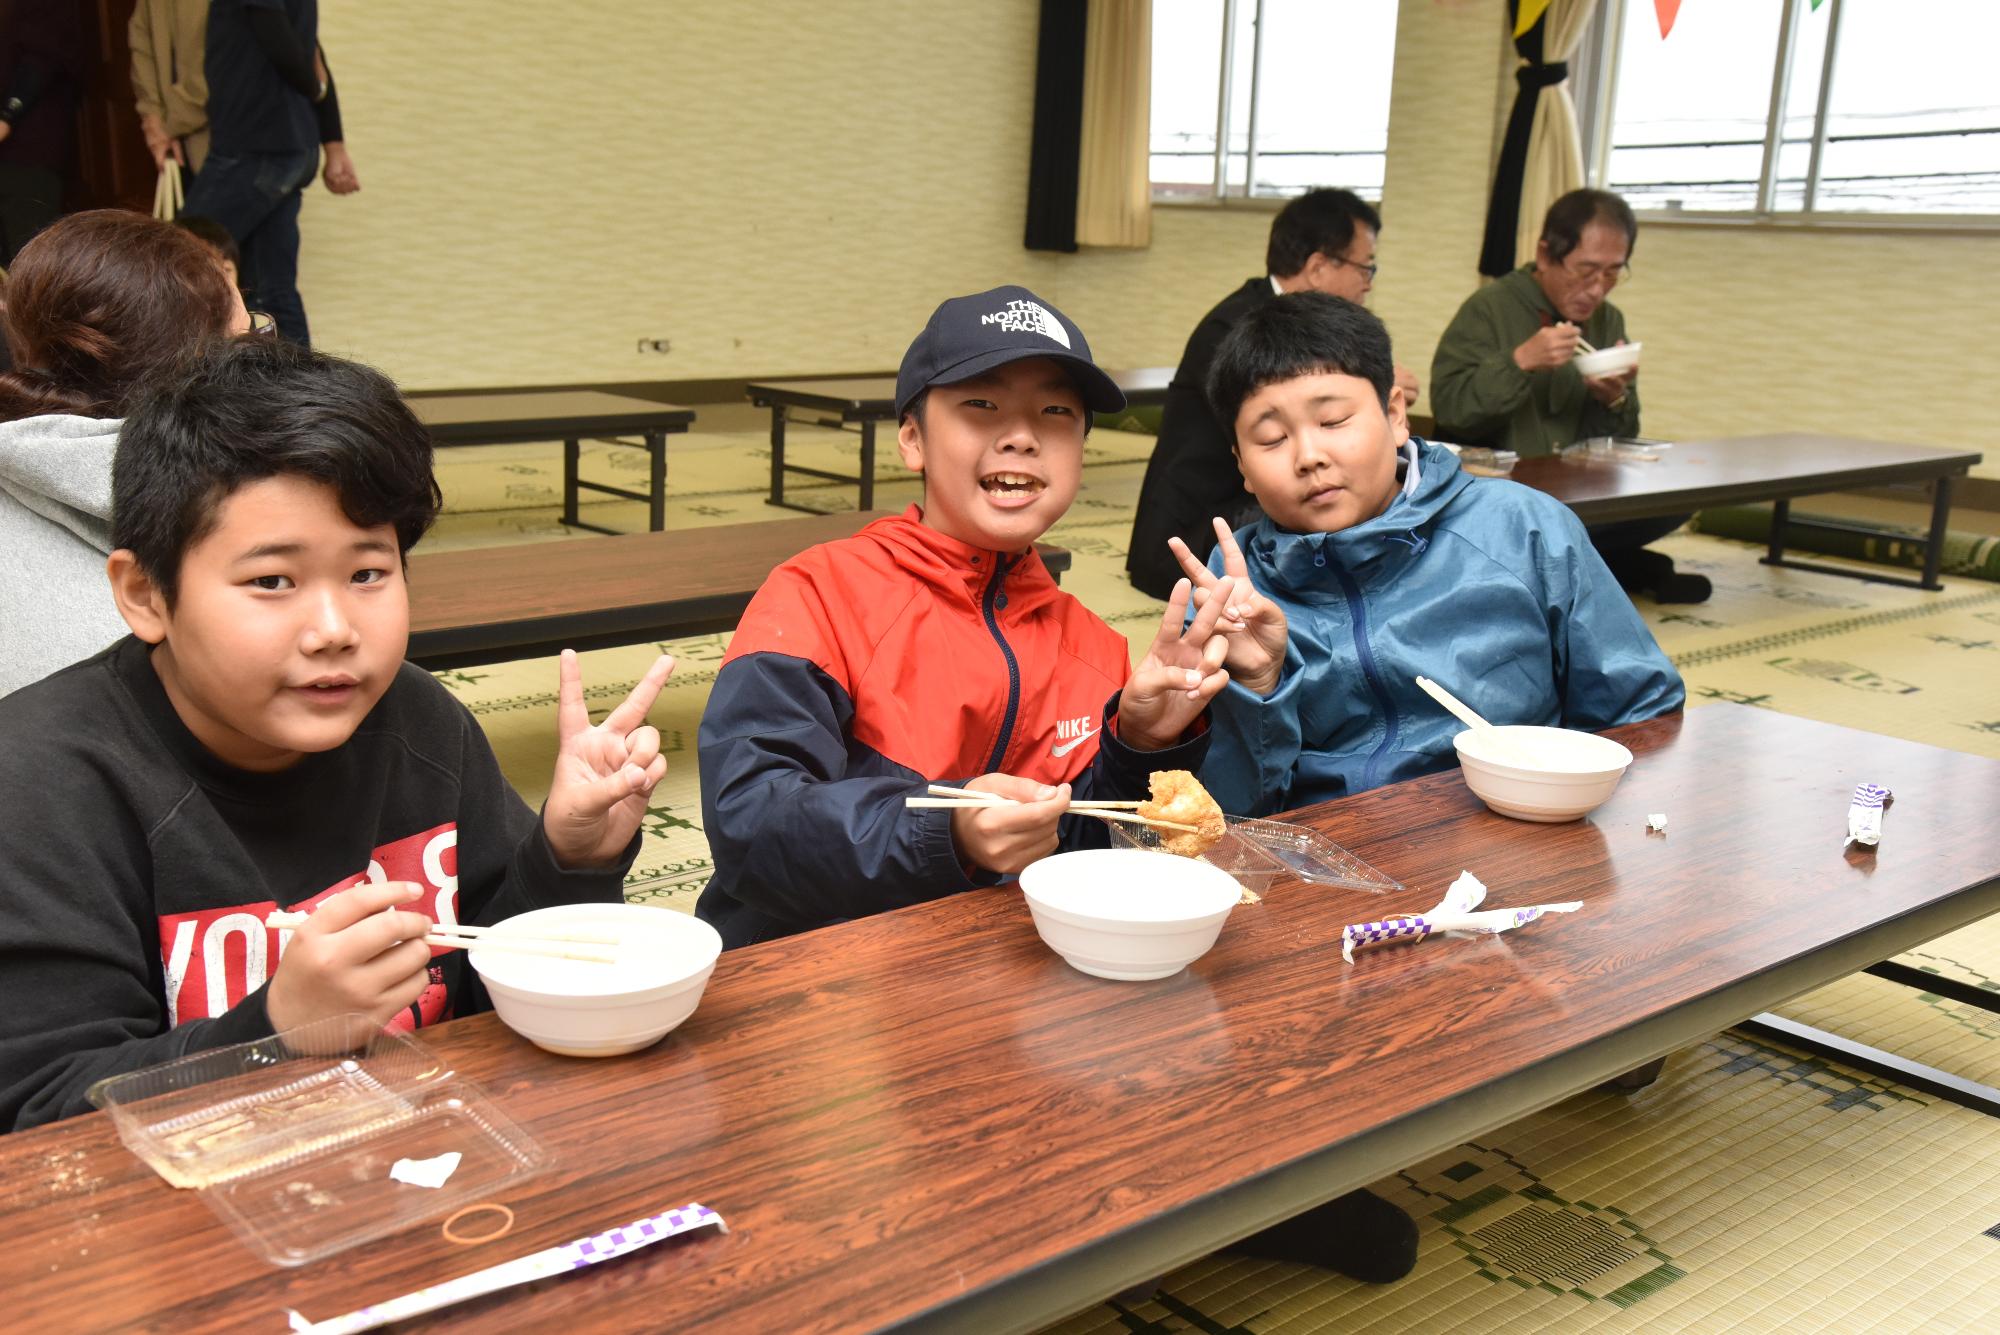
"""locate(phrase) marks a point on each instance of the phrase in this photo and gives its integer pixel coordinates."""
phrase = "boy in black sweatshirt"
(258, 743)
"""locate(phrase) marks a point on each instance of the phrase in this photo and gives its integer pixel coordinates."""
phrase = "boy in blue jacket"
(1380, 559)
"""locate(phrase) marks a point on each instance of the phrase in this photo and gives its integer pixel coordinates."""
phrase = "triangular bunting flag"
(1530, 13)
(1669, 10)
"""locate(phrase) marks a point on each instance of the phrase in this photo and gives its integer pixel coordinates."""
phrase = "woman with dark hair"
(95, 303)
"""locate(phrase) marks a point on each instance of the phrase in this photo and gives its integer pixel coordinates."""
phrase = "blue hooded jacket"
(1489, 588)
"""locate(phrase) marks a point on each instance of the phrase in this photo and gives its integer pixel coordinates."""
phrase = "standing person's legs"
(30, 199)
(256, 196)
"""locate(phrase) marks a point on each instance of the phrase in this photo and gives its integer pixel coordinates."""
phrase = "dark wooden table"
(869, 400)
(1696, 473)
(927, 1120)
(570, 416)
(528, 600)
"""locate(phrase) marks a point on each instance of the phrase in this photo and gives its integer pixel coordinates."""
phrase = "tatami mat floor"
(1751, 1189)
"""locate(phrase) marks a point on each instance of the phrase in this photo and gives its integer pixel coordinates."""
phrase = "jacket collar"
(959, 570)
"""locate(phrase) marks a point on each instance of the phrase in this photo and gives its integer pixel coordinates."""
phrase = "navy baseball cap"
(969, 336)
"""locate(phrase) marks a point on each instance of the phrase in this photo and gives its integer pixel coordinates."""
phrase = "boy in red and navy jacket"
(934, 647)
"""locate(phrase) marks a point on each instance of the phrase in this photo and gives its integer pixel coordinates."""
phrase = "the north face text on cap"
(1028, 317)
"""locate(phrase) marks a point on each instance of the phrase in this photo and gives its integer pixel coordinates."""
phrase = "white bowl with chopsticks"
(1609, 361)
(1128, 914)
(1540, 774)
(661, 961)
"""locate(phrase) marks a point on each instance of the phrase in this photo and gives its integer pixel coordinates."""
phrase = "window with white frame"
(1777, 108)
(1267, 98)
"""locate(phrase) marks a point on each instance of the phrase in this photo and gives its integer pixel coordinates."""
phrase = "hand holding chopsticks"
(457, 936)
(947, 798)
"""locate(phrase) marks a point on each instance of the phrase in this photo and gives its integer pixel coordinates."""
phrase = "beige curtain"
(1555, 152)
(1114, 193)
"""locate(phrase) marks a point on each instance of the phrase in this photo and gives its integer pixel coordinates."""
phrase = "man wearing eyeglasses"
(1322, 241)
(1503, 374)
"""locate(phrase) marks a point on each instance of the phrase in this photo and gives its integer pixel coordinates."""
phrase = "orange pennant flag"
(1668, 11)
(1530, 13)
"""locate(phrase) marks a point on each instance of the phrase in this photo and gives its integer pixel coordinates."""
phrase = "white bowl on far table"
(1573, 772)
(585, 1009)
(1609, 361)
(1128, 913)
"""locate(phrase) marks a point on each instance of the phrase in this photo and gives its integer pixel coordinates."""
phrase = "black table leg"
(1942, 1084)
(1781, 518)
(868, 463)
(656, 445)
(777, 454)
(1940, 519)
(572, 448)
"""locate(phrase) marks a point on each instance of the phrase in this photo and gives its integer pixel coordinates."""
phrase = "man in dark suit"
(1323, 241)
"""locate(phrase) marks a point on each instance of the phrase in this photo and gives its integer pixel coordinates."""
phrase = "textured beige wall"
(774, 185)
(790, 186)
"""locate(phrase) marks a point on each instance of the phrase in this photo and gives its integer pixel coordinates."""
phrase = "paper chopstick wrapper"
(1454, 913)
(1864, 816)
(523, 1270)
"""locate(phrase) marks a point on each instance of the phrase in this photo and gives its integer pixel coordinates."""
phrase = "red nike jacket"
(869, 668)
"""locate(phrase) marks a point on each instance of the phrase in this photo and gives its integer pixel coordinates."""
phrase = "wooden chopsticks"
(552, 945)
(944, 797)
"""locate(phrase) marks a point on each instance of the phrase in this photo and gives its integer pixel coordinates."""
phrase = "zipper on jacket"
(1001, 567)
(1358, 611)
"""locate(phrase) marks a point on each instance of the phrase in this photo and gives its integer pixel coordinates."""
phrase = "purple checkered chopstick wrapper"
(1864, 816)
(521, 1270)
(1412, 927)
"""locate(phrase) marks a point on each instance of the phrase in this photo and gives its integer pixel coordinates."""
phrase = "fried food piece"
(1179, 797)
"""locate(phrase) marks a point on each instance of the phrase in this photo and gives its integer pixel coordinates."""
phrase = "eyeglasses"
(1611, 274)
(1370, 269)
(262, 324)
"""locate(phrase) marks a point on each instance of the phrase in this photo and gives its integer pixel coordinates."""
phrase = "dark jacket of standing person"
(42, 57)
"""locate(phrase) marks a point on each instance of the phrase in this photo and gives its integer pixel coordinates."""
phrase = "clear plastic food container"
(1482, 462)
(1261, 853)
(290, 1139)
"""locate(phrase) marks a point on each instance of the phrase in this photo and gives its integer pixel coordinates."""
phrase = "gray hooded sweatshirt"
(55, 531)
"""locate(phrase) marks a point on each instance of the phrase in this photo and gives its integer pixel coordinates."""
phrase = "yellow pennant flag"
(1530, 13)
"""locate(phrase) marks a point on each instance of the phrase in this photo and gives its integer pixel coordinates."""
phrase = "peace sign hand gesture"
(1253, 625)
(604, 773)
(1179, 675)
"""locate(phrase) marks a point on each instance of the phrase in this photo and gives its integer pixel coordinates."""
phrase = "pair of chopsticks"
(945, 798)
(553, 945)
(1487, 732)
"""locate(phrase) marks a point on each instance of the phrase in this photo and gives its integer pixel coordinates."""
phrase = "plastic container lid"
(1261, 853)
(290, 1139)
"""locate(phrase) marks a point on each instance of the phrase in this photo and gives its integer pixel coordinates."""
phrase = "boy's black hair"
(259, 408)
(1319, 222)
(1568, 216)
(1301, 333)
(212, 234)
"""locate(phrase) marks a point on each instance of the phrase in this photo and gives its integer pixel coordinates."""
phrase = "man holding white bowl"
(1533, 362)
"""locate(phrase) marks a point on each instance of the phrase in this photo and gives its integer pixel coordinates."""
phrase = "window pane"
(1323, 94)
(1914, 122)
(1187, 75)
(1689, 112)
(1801, 106)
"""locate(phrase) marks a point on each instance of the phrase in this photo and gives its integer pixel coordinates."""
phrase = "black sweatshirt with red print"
(136, 869)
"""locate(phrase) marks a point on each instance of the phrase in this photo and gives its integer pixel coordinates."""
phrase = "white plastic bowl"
(1128, 913)
(1610, 361)
(584, 1009)
(1577, 772)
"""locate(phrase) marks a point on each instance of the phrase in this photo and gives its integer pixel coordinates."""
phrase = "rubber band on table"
(472, 1241)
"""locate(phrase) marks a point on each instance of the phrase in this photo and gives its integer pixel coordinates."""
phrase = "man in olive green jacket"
(1504, 376)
